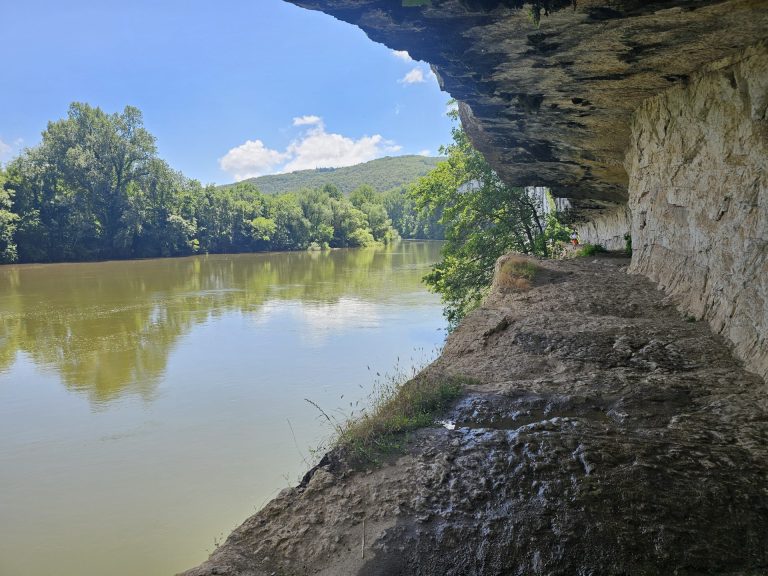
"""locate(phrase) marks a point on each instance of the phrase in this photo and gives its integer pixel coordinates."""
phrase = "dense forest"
(382, 174)
(95, 189)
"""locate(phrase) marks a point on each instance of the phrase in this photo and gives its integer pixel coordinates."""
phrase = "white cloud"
(402, 55)
(425, 152)
(250, 160)
(415, 76)
(308, 121)
(319, 149)
(315, 148)
(5, 150)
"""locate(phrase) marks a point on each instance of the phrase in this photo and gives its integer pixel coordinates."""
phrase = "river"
(148, 407)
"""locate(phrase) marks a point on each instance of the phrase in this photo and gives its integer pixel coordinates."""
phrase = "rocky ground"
(605, 434)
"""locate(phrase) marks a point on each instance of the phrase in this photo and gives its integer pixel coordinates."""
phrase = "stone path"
(606, 434)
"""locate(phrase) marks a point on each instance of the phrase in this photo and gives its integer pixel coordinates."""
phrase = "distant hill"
(382, 174)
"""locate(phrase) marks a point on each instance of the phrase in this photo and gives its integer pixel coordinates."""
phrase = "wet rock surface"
(605, 433)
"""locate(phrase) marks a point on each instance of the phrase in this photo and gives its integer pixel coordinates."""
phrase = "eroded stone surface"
(554, 106)
(608, 228)
(551, 106)
(699, 198)
(606, 434)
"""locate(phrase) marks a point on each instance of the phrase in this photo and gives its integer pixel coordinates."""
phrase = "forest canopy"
(382, 174)
(95, 189)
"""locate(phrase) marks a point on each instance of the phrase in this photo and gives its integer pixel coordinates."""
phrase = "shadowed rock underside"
(551, 106)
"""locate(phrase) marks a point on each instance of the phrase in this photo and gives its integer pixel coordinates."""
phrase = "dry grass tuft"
(516, 273)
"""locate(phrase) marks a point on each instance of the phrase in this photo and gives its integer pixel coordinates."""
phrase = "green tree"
(318, 210)
(483, 219)
(346, 220)
(8, 221)
(95, 188)
(101, 155)
(76, 190)
(292, 231)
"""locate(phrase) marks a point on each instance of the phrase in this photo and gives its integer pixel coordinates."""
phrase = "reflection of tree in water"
(108, 328)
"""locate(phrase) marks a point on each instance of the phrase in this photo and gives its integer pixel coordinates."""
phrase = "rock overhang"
(552, 105)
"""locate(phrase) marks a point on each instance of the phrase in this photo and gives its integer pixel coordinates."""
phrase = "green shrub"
(590, 250)
(628, 244)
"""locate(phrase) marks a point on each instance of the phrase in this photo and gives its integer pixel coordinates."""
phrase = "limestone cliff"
(552, 105)
(650, 116)
(607, 431)
(698, 193)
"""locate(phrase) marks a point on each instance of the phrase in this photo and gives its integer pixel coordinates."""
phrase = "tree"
(101, 155)
(483, 218)
(78, 190)
(95, 188)
(8, 221)
(292, 228)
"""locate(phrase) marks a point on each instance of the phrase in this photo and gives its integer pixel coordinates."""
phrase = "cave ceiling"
(551, 105)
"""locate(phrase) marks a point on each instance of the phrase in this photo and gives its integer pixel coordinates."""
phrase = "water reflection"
(107, 329)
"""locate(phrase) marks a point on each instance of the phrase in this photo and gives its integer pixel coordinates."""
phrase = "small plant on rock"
(398, 410)
(628, 244)
(590, 250)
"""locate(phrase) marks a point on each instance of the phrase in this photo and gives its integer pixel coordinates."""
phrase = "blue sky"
(230, 89)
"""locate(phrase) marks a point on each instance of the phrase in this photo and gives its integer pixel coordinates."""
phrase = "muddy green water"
(149, 407)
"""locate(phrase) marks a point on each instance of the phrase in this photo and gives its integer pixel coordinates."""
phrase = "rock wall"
(608, 229)
(550, 105)
(698, 193)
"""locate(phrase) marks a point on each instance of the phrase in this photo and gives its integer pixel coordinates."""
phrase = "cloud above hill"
(313, 148)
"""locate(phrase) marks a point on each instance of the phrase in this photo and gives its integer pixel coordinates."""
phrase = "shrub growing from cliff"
(516, 273)
(483, 218)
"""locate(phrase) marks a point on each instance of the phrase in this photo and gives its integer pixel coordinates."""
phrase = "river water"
(148, 407)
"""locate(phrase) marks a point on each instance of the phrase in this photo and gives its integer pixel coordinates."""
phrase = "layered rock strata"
(551, 105)
(605, 433)
(698, 194)
(609, 228)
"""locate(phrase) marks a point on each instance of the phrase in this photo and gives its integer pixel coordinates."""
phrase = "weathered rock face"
(698, 192)
(606, 433)
(551, 106)
(608, 228)
(554, 105)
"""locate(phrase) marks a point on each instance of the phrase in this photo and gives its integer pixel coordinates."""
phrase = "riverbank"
(604, 433)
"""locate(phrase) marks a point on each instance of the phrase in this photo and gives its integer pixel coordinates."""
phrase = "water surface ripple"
(145, 405)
